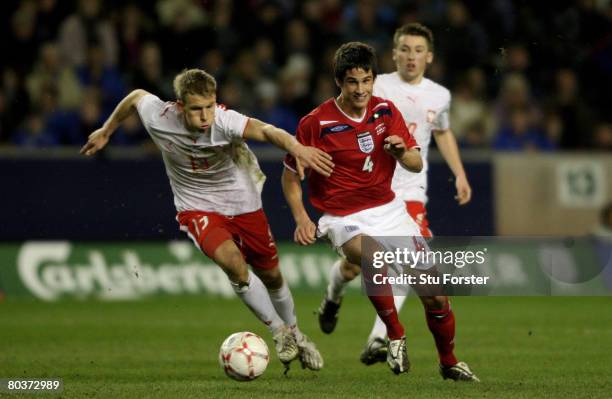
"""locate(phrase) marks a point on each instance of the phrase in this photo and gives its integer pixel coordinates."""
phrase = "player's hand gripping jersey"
(363, 170)
(213, 172)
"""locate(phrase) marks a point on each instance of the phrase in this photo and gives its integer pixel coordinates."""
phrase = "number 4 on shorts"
(368, 165)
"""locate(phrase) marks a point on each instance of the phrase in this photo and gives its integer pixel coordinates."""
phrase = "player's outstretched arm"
(292, 189)
(308, 157)
(409, 158)
(446, 142)
(98, 139)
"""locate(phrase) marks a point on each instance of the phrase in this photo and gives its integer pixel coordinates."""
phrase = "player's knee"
(352, 250)
(434, 302)
(272, 278)
(230, 259)
(349, 271)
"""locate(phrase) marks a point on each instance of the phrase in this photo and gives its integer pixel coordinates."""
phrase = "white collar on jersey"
(358, 120)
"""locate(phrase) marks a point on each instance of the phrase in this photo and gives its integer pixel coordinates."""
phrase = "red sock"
(381, 296)
(385, 307)
(441, 323)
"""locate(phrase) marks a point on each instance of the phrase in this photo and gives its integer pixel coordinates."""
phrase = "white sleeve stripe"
(380, 105)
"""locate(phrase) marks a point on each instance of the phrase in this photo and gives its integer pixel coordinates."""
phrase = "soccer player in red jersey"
(366, 137)
(425, 106)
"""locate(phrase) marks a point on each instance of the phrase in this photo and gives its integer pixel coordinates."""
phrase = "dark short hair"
(354, 55)
(414, 29)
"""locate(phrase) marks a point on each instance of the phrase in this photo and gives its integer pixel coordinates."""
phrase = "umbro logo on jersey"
(335, 129)
(365, 141)
(380, 128)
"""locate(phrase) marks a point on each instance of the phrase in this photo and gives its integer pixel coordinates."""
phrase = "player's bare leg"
(282, 300)
(249, 287)
(381, 297)
(341, 273)
(441, 323)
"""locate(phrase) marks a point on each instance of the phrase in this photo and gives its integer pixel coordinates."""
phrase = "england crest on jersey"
(366, 143)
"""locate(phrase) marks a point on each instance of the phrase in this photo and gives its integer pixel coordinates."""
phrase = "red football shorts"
(249, 231)
(418, 212)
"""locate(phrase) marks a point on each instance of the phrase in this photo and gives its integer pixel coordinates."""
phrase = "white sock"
(379, 330)
(256, 297)
(337, 283)
(283, 303)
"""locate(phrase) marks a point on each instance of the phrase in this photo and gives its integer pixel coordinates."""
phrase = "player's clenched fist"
(395, 146)
(96, 141)
(305, 232)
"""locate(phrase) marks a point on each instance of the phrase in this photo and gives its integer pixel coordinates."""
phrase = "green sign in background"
(125, 271)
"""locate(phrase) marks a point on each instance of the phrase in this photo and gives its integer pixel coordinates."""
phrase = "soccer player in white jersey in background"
(216, 182)
(425, 107)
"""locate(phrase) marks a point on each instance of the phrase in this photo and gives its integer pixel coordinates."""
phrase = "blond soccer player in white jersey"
(216, 182)
(425, 106)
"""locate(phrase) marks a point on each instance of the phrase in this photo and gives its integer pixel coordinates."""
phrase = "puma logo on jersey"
(431, 115)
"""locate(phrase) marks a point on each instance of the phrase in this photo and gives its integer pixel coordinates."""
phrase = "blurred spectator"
(515, 93)
(602, 137)
(50, 70)
(33, 132)
(86, 26)
(270, 111)
(103, 77)
(49, 17)
(576, 119)
(469, 108)
(132, 133)
(224, 35)
(14, 103)
(462, 43)
(214, 63)
(521, 134)
(298, 38)
(90, 115)
(21, 36)
(61, 123)
(149, 74)
(325, 88)
(134, 31)
(265, 55)
(522, 61)
(365, 21)
(475, 136)
(295, 84)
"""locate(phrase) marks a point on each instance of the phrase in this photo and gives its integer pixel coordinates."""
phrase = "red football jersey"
(363, 170)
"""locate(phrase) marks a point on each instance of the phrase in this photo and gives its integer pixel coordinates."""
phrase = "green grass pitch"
(167, 347)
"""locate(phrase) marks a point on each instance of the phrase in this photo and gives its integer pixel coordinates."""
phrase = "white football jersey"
(214, 172)
(425, 107)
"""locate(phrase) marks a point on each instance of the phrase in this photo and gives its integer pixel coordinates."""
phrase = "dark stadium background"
(66, 64)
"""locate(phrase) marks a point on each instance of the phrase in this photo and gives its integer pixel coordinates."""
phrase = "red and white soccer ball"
(244, 356)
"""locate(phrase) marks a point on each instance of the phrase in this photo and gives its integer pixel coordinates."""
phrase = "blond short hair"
(194, 81)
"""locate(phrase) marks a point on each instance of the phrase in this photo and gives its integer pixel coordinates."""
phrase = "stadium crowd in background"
(524, 76)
